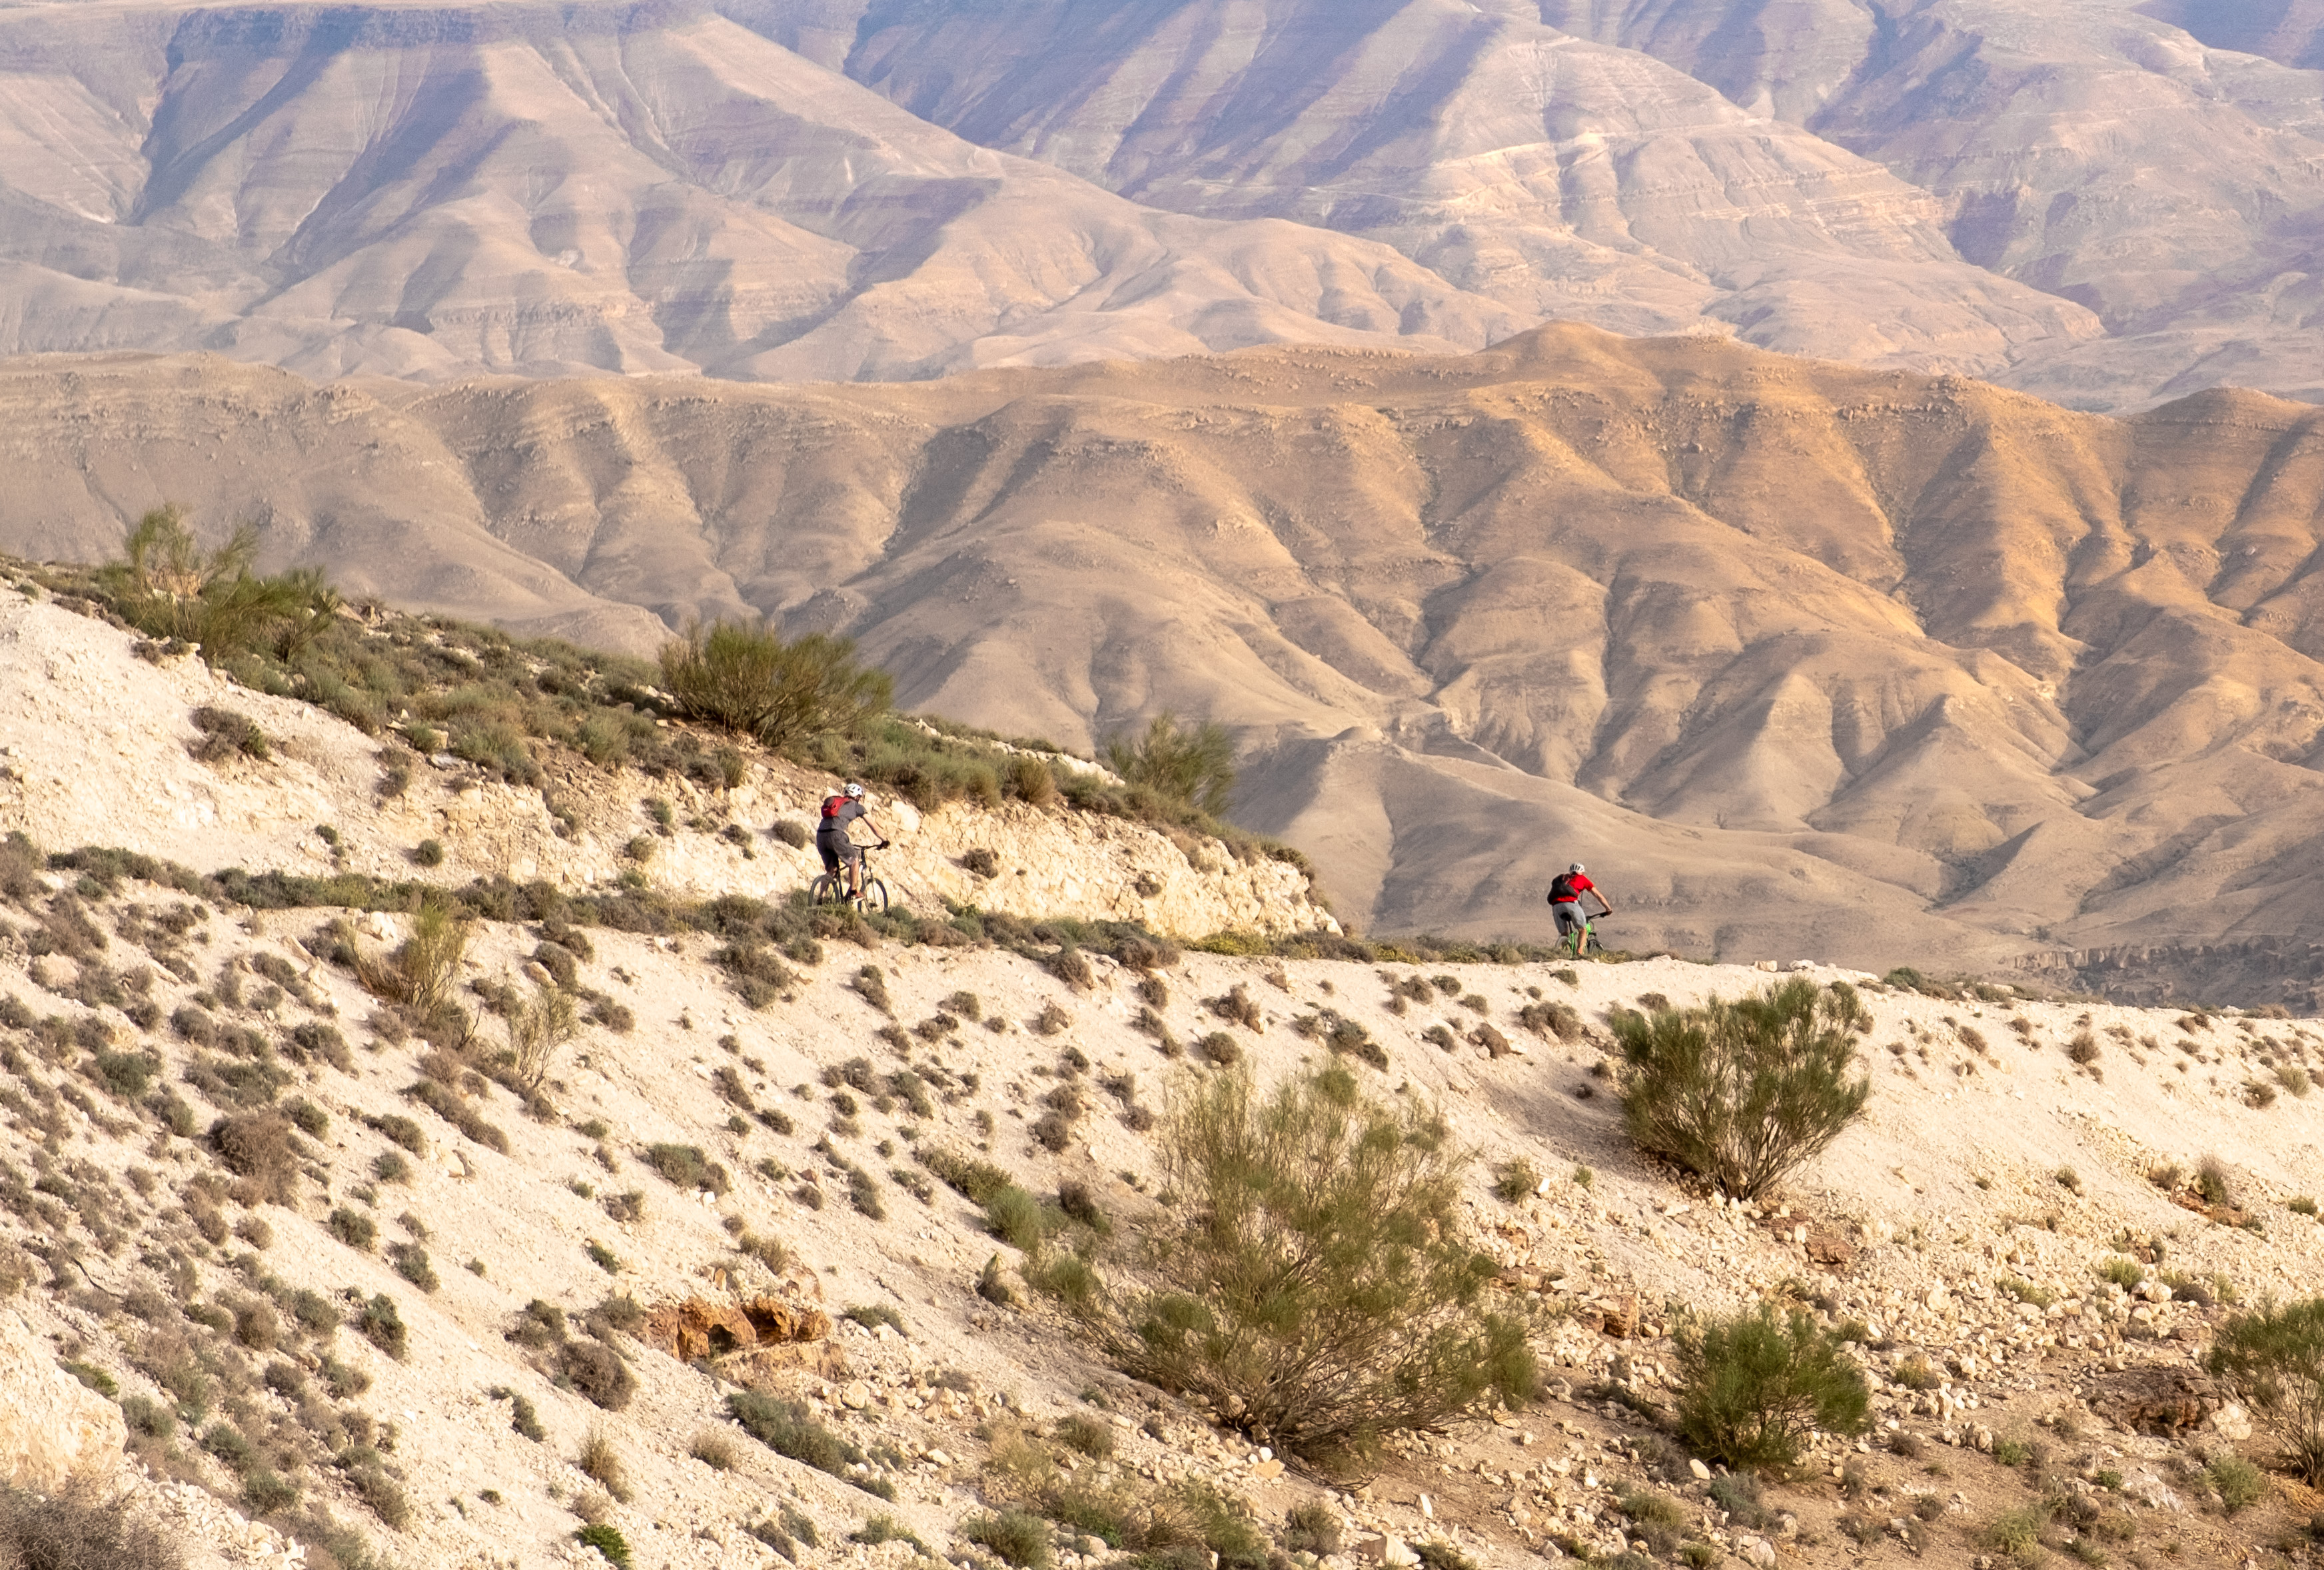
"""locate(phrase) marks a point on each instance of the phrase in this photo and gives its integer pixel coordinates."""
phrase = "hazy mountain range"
(2106, 204)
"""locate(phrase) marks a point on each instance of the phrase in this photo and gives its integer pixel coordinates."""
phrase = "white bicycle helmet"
(855, 791)
(1577, 866)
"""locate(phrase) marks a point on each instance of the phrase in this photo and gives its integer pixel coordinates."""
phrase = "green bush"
(1191, 767)
(2016, 1535)
(790, 1430)
(1317, 1284)
(975, 1181)
(1740, 1093)
(1019, 1220)
(168, 586)
(1018, 1539)
(748, 680)
(382, 1326)
(686, 1166)
(1753, 1388)
(2240, 1485)
(1515, 1180)
(2274, 1358)
(607, 1540)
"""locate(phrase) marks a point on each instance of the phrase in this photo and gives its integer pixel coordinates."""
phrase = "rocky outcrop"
(52, 1427)
(700, 1327)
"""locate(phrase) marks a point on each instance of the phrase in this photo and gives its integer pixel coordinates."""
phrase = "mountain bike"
(1576, 943)
(831, 888)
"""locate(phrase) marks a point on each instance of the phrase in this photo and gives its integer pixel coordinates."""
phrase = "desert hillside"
(322, 1277)
(105, 747)
(1810, 661)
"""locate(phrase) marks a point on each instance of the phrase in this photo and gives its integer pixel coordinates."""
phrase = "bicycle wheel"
(828, 890)
(875, 896)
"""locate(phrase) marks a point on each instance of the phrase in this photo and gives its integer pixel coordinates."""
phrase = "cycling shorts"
(1569, 916)
(837, 853)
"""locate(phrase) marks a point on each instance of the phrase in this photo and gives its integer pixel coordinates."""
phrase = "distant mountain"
(426, 192)
(1808, 658)
(2109, 205)
(1866, 182)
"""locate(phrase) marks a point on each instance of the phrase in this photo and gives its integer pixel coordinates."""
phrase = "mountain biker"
(838, 848)
(1567, 891)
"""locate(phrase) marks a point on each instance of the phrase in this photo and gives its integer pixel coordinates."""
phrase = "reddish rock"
(701, 1328)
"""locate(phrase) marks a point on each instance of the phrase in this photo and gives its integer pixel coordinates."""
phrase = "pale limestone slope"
(1943, 1189)
(94, 751)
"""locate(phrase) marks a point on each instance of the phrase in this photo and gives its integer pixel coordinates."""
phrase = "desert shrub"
(2240, 1485)
(1091, 1436)
(404, 1131)
(150, 1418)
(2124, 1273)
(538, 1026)
(411, 1262)
(1067, 1277)
(873, 1315)
(2274, 1358)
(1740, 1093)
(1074, 1198)
(789, 1429)
(601, 1462)
(975, 1181)
(598, 1373)
(1070, 965)
(79, 1528)
(686, 1166)
(1019, 1219)
(256, 1325)
(1220, 1048)
(2083, 1048)
(354, 1228)
(1016, 1538)
(1312, 1528)
(1030, 780)
(749, 680)
(1516, 1180)
(1317, 1282)
(1753, 1388)
(607, 1539)
(424, 973)
(258, 1146)
(128, 1075)
(382, 1326)
(2025, 1291)
(1187, 766)
(2211, 1182)
(168, 586)
(870, 983)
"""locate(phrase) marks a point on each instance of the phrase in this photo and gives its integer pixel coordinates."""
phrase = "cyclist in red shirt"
(1565, 894)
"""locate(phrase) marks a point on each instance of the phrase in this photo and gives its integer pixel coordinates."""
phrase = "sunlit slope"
(1806, 657)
